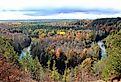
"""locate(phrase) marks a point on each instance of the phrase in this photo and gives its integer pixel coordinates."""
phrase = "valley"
(61, 50)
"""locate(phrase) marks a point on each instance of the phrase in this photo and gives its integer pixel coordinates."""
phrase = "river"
(103, 49)
(25, 51)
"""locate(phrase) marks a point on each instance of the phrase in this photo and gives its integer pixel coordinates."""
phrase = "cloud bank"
(59, 9)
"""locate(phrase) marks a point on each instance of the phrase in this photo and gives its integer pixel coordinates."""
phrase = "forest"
(60, 50)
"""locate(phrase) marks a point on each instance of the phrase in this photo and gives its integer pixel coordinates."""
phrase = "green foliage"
(113, 66)
(96, 50)
(66, 76)
(7, 50)
(55, 75)
(87, 64)
(113, 62)
(32, 66)
(98, 67)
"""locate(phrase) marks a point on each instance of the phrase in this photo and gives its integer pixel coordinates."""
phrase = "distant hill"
(105, 21)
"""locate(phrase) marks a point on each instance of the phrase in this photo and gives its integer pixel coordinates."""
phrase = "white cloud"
(78, 15)
(46, 4)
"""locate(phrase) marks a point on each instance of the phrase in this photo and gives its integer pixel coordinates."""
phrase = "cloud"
(69, 10)
(26, 9)
(75, 15)
(45, 12)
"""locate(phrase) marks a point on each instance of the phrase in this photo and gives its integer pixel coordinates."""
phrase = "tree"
(113, 62)
(33, 67)
(113, 66)
(7, 50)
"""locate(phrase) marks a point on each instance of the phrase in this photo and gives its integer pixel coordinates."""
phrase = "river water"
(103, 49)
(100, 44)
(25, 51)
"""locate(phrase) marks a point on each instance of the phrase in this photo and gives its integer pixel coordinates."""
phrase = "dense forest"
(60, 50)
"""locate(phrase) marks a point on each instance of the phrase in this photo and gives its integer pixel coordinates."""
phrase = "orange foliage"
(10, 72)
(58, 52)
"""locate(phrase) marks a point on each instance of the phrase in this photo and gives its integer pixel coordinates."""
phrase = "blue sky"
(59, 9)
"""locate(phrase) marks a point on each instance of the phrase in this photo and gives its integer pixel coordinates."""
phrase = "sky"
(59, 9)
